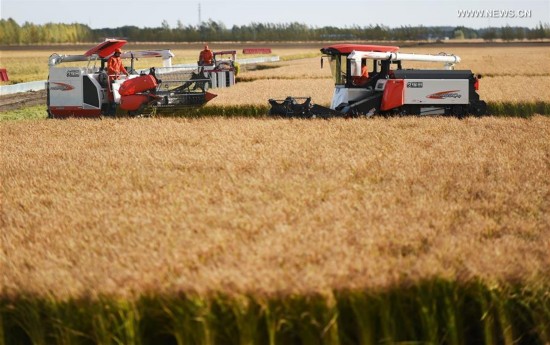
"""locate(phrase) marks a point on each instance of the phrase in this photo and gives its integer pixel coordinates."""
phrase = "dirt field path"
(22, 99)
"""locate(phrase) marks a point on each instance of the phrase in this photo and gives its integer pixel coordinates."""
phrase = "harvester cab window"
(371, 65)
(376, 66)
(338, 68)
(361, 77)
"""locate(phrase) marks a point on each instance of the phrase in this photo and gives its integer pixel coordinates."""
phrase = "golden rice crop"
(258, 92)
(501, 89)
(24, 66)
(259, 206)
(295, 69)
(492, 61)
(32, 64)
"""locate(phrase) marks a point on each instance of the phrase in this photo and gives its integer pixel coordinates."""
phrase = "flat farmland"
(31, 63)
(509, 74)
(262, 206)
(218, 230)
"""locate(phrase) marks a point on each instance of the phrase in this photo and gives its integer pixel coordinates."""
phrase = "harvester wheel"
(479, 108)
(138, 112)
(459, 111)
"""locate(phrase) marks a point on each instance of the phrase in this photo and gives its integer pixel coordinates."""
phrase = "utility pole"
(201, 31)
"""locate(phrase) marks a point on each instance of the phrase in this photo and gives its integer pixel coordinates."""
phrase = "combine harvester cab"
(90, 92)
(369, 80)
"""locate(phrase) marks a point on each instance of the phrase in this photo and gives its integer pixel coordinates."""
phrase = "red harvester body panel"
(62, 112)
(348, 48)
(137, 85)
(394, 95)
(133, 102)
(209, 96)
(106, 48)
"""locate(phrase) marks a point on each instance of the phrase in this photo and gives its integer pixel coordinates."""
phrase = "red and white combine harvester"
(90, 92)
(370, 79)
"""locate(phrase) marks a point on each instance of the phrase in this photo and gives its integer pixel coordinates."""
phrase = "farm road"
(22, 99)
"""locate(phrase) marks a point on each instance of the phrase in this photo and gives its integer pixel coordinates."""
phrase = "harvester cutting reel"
(301, 107)
(148, 94)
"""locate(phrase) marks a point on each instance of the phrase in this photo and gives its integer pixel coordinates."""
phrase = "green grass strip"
(518, 109)
(37, 112)
(500, 109)
(432, 312)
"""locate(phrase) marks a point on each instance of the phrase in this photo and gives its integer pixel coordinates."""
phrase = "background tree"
(29, 33)
(489, 34)
(458, 34)
(507, 33)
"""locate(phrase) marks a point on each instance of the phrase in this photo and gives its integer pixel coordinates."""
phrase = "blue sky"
(151, 13)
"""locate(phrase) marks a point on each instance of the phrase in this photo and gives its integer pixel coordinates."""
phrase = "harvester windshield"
(338, 68)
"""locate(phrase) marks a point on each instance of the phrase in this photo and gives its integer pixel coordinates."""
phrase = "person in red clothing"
(115, 66)
(364, 78)
(206, 56)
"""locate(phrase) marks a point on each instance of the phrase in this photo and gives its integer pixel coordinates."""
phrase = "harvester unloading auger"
(370, 80)
(90, 92)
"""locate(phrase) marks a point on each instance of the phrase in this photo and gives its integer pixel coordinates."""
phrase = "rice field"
(30, 64)
(228, 227)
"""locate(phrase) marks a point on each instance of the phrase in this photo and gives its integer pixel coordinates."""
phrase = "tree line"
(11, 33)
